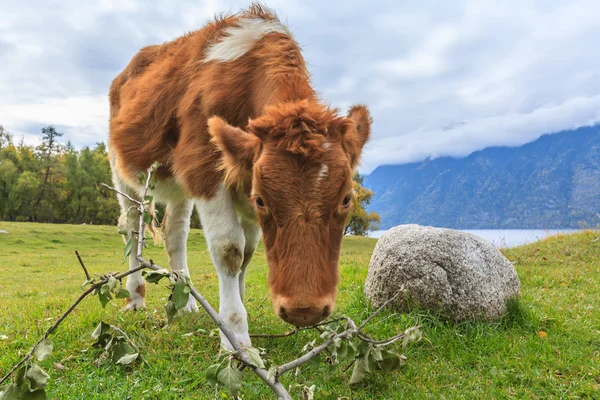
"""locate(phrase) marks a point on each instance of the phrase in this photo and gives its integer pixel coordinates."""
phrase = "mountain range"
(552, 182)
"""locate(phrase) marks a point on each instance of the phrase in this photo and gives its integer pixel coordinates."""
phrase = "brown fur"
(141, 290)
(256, 124)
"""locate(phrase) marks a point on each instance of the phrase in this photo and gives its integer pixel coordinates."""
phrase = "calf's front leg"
(226, 243)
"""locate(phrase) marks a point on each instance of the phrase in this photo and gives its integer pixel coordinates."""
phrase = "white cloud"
(509, 130)
(441, 78)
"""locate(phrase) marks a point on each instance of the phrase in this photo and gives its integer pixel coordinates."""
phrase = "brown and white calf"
(230, 114)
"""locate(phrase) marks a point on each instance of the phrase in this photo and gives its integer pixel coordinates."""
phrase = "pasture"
(547, 347)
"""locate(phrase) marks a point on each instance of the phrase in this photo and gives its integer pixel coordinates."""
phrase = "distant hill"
(553, 182)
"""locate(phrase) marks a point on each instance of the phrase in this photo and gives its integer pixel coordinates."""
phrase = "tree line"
(56, 183)
(53, 182)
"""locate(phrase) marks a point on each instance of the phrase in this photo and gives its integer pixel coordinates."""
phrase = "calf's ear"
(358, 133)
(239, 150)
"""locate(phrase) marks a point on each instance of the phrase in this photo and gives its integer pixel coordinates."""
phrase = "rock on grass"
(455, 273)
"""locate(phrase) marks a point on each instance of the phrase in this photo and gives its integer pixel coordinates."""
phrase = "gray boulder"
(456, 273)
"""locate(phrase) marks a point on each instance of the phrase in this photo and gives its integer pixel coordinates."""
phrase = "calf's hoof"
(135, 304)
(191, 305)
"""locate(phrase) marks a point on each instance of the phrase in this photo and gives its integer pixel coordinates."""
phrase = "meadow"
(548, 346)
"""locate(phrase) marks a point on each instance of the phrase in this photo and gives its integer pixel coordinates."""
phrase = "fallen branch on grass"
(367, 355)
(48, 332)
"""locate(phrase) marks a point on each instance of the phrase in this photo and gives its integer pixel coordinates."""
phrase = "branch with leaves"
(343, 340)
(30, 377)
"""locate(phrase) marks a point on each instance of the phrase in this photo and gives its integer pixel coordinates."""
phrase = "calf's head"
(298, 160)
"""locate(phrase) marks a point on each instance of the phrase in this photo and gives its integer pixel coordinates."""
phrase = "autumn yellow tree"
(360, 222)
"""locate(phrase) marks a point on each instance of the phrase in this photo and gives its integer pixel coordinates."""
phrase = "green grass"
(547, 347)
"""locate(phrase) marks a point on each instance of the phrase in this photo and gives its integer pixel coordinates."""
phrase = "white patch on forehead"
(325, 146)
(322, 172)
(238, 40)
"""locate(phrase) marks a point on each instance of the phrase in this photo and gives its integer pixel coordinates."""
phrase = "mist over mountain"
(552, 182)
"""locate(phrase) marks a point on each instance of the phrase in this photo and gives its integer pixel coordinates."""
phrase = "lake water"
(506, 237)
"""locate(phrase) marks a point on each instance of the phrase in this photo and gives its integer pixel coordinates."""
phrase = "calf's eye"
(346, 201)
(260, 203)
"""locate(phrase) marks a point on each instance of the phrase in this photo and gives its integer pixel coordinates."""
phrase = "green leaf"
(10, 392)
(371, 363)
(390, 361)
(147, 217)
(327, 334)
(127, 249)
(104, 288)
(170, 310)
(122, 293)
(342, 351)
(211, 374)
(112, 282)
(362, 348)
(331, 370)
(254, 355)
(180, 297)
(309, 346)
(122, 349)
(309, 392)
(100, 330)
(37, 377)
(88, 282)
(127, 359)
(20, 376)
(376, 351)
(152, 183)
(155, 276)
(231, 377)
(104, 296)
(359, 372)
(271, 373)
(337, 342)
(148, 199)
(413, 334)
(43, 349)
(39, 394)
(155, 165)
(314, 362)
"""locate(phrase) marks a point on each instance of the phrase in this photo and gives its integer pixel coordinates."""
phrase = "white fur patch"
(238, 40)
(323, 172)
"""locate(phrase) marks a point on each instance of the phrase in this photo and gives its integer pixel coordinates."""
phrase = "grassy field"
(547, 347)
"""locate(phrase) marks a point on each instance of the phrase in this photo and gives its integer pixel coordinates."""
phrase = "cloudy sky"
(440, 77)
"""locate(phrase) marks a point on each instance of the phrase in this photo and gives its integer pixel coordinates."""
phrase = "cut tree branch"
(240, 352)
(62, 317)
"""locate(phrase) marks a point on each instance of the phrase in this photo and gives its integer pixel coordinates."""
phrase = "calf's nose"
(304, 316)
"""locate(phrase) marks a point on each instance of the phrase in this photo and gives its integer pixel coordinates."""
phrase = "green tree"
(5, 138)
(360, 222)
(47, 192)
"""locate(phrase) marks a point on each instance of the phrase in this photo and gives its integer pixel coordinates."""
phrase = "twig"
(308, 356)
(293, 331)
(262, 302)
(122, 194)
(87, 274)
(349, 365)
(122, 332)
(241, 354)
(388, 301)
(274, 335)
(141, 233)
(62, 318)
